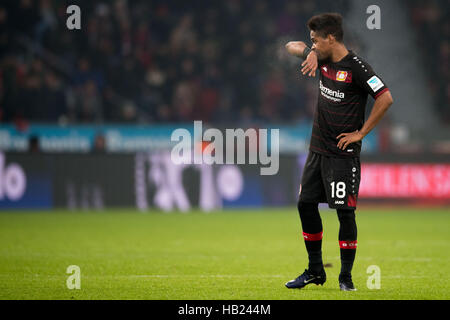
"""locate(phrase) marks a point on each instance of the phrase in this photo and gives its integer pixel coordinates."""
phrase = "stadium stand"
(146, 62)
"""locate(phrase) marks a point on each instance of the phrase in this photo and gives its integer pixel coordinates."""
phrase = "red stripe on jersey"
(351, 200)
(348, 244)
(324, 140)
(315, 124)
(340, 113)
(320, 150)
(332, 74)
(334, 103)
(338, 124)
(381, 92)
(313, 236)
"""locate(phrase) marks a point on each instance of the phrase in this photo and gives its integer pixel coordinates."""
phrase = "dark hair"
(327, 23)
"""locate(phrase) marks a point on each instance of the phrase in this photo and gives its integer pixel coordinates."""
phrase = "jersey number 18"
(338, 189)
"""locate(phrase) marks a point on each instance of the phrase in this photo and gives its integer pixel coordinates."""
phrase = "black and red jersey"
(343, 90)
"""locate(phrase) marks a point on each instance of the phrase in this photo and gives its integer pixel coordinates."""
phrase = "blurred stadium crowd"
(151, 61)
(432, 27)
(160, 61)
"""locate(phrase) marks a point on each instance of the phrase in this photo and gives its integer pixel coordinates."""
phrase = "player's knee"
(348, 229)
(306, 206)
(307, 209)
(310, 217)
(345, 215)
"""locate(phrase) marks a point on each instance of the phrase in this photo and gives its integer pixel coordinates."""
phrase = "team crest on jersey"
(341, 75)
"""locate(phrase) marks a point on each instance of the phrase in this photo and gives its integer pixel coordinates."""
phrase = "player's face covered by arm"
(320, 45)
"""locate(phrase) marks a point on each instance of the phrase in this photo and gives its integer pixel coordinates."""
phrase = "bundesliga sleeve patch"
(375, 83)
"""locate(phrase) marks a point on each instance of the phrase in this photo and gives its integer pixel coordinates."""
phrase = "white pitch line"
(155, 276)
(205, 276)
(415, 259)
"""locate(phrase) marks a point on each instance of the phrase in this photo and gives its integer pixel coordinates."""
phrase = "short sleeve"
(367, 79)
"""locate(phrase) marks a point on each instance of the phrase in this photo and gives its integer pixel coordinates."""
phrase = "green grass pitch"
(236, 254)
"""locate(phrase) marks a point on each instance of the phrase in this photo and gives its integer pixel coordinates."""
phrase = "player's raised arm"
(298, 49)
(301, 50)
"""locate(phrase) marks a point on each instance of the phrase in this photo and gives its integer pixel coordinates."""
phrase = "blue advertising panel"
(122, 138)
(25, 182)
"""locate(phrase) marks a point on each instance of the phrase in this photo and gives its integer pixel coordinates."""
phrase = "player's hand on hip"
(347, 138)
(310, 64)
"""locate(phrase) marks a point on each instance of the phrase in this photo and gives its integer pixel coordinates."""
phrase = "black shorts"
(332, 180)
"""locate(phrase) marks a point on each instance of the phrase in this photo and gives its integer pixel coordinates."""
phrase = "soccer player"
(332, 169)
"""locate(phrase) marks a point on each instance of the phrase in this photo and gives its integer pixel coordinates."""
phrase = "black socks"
(347, 240)
(313, 233)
